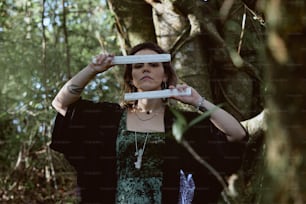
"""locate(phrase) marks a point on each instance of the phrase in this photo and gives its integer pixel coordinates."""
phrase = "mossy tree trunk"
(286, 101)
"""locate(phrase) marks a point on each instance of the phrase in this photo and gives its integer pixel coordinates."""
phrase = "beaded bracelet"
(200, 103)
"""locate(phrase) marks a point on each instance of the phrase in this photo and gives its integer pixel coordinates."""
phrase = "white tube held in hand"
(157, 94)
(132, 59)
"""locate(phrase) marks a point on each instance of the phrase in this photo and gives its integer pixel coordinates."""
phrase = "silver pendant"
(139, 154)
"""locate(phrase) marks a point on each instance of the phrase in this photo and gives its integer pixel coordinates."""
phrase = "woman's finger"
(181, 87)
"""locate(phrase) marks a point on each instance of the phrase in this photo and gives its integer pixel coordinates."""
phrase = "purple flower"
(187, 187)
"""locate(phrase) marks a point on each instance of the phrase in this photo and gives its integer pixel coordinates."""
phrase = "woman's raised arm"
(73, 88)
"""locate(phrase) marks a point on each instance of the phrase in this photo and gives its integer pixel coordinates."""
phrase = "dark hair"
(169, 71)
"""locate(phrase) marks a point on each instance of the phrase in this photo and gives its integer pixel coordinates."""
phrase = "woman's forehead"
(145, 52)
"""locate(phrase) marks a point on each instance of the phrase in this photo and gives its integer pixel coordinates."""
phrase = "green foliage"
(32, 72)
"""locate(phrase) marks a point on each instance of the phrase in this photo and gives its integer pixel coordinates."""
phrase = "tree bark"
(286, 147)
(134, 21)
(168, 24)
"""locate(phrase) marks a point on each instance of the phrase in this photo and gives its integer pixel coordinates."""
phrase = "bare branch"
(206, 165)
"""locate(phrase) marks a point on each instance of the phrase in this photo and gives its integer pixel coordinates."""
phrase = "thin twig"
(242, 30)
(255, 16)
(205, 164)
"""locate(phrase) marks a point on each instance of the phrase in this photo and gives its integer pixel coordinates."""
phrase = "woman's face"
(148, 76)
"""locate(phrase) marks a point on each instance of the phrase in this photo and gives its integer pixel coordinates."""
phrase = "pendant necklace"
(148, 113)
(146, 119)
(139, 152)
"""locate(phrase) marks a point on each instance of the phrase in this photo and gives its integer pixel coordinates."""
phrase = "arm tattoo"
(75, 89)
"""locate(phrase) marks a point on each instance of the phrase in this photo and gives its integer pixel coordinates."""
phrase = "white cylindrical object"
(132, 59)
(157, 94)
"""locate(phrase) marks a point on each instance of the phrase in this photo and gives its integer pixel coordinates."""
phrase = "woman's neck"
(150, 105)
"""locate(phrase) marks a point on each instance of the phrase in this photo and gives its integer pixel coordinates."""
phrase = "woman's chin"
(147, 88)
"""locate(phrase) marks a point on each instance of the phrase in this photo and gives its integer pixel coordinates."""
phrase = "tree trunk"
(286, 101)
(66, 38)
(134, 21)
(228, 54)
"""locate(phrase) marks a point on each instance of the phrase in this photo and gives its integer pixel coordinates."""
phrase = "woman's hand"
(101, 62)
(219, 117)
(192, 99)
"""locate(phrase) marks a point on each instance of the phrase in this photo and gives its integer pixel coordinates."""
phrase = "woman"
(122, 154)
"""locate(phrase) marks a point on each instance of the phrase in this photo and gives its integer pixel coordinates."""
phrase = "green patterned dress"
(139, 186)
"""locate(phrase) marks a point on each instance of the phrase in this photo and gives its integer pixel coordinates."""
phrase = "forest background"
(248, 56)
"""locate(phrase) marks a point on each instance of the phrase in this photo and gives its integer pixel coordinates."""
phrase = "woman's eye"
(137, 66)
(154, 64)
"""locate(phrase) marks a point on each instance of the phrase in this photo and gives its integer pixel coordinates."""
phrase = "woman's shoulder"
(89, 109)
(92, 105)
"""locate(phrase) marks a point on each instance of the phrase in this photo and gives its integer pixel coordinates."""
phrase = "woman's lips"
(145, 78)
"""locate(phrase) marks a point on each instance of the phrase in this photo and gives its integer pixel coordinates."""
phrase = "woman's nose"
(146, 68)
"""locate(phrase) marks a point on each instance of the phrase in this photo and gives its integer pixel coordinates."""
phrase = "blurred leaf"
(179, 126)
(202, 116)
